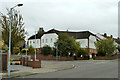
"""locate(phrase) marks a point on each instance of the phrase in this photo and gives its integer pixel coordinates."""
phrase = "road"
(84, 69)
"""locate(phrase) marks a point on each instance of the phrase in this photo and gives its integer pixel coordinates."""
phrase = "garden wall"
(107, 57)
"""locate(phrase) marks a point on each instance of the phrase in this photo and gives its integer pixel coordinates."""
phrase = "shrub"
(16, 50)
(23, 50)
(83, 52)
(31, 49)
(46, 50)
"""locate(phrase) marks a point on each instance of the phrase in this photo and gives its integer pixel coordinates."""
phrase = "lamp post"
(35, 45)
(10, 37)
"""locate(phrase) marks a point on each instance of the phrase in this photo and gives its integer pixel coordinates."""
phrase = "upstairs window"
(51, 39)
(37, 41)
(43, 40)
(46, 40)
(33, 41)
(55, 39)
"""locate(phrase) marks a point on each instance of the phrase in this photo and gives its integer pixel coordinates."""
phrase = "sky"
(96, 16)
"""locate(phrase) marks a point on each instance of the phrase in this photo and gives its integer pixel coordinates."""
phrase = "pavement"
(46, 67)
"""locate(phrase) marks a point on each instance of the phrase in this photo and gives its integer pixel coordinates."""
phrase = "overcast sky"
(97, 16)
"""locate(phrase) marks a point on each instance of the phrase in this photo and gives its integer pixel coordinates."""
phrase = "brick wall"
(50, 57)
(33, 64)
(107, 57)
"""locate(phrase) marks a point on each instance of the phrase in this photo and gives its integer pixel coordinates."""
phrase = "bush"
(46, 50)
(83, 52)
(31, 49)
(23, 51)
(16, 50)
(11, 60)
(53, 52)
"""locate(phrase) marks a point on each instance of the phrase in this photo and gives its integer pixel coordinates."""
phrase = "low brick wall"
(36, 64)
(30, 63)
(66, 58)
(50, 57)
(79, 58)
(107, 57)
(33, 64)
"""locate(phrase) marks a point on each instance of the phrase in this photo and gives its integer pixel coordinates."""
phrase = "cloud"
(94, 15)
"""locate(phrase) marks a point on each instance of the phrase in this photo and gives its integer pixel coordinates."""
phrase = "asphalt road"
(84, 69)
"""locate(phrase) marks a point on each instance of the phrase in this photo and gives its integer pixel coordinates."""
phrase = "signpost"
(26, 48)
(56, 52)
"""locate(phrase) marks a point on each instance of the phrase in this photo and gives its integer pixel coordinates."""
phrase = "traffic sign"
(26, 47)
(55, 47)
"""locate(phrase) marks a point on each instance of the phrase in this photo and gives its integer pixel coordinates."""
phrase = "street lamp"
(35, 45)
(10, 37)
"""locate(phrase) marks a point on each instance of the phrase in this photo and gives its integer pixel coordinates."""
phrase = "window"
(30, 42)
(46, 40)
(37, 41)
(55, 39)
(51, 39)
(33, 41)
(43, 40)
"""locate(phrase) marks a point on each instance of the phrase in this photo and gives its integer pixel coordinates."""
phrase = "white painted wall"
(49, 39)
(32, 43)
(83, 42)
(92, 39)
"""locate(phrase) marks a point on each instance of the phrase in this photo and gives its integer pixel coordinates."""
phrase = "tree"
(67, 44)
(46, 50)
(17, 28)
(31, 49)
(105, 47)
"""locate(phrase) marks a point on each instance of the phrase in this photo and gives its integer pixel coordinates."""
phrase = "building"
(36, 39)
(85, 38)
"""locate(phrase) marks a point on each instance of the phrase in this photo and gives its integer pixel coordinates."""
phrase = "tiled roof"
(77, 35)
(38, 36)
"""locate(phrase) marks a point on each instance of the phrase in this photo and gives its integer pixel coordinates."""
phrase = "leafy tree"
(105, 47)
(17, 28)
(31, 49)
(46, 50)
(67, 44)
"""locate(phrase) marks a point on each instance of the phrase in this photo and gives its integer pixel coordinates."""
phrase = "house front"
(35, 40)
(85, 38)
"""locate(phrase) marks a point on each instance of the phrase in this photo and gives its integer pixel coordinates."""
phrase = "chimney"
(105, 34)
(111, 36)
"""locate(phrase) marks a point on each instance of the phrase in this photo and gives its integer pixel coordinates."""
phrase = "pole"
(9, 42)
(10, 37)
(35, 45)
(56, 52)
(26, 53)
